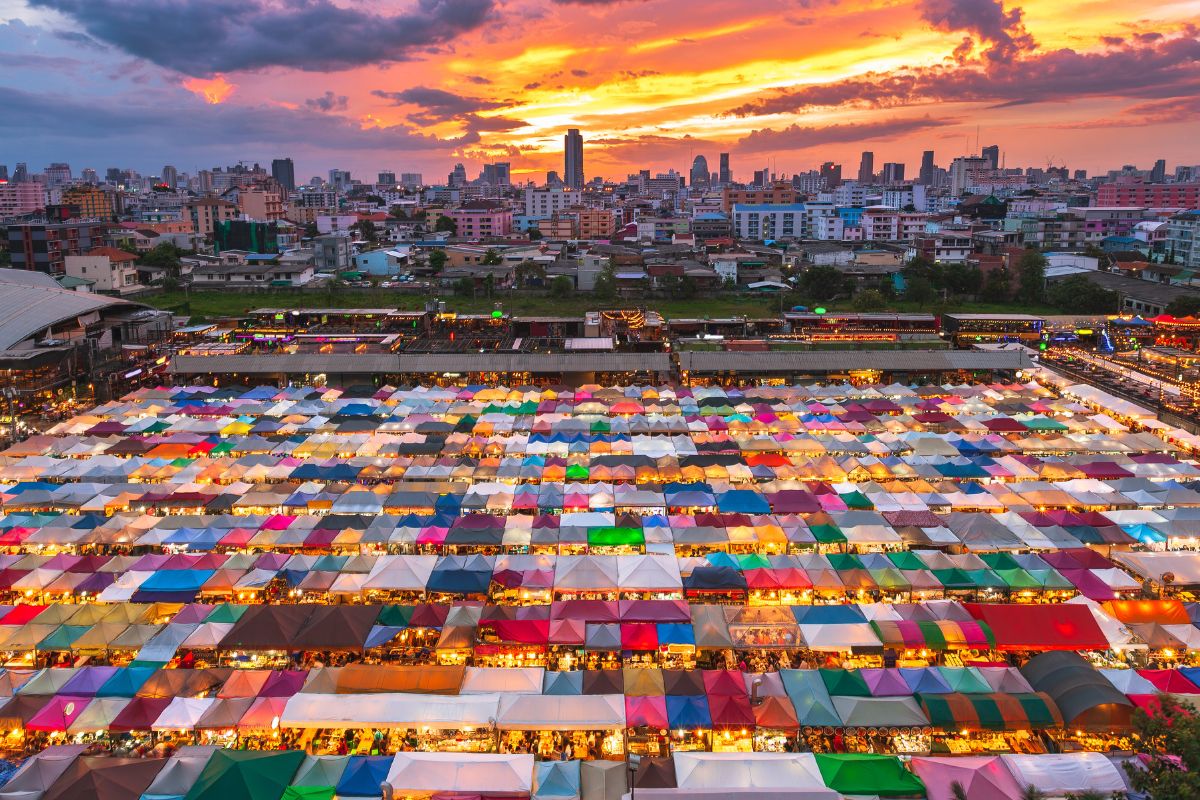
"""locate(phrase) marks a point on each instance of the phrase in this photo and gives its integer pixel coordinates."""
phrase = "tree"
(869, 300)
(464, 286)
(491, 258)
(489, 284)
(447, 224)
(366, 228)
(374, 198)
(606, 284)
(1031, 792)
(534, 234)
(562, 287)
(1170, 738)
(1031, 277)
(162, 255)
(311, 230)
(821, 283)
(1077, 294)
(920, 290)
(437, 261)
(997, 286)
(1184, 306)
(529, 273)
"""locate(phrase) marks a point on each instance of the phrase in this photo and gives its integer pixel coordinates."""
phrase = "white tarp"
(502, 680)
(734, 771)
(389, 710)
(1058, 774)
(183, 713)
(869, 712)
(468, 773)
(839, 637)
(587, 712)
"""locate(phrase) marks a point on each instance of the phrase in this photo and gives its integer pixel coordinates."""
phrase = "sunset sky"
(416, 86)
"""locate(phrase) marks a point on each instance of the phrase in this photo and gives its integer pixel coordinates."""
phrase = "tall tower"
(284, 173)
(866, 167)
(992, 154)
(170, 176)
(726, 176)
(925, 178)
(699, 174)
(573, 159)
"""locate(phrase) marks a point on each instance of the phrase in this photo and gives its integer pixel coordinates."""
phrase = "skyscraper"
(284, 173)
(1159, 173)
(925, 178)
(893, 172)
(573, 159)
(726, 175)
(699, 173)
(831, 174)
(21, 173)
(992, 154)
(170, 176)
(4, 172)
(498, 174)
(457, 177)
(866, 167)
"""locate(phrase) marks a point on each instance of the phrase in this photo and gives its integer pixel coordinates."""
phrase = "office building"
(411, 180)
(284, 173)
(1159, 173)
(926, 175)
(992, 154)
(893, 173)
(170, 176)
(866, 167)
(726, 174)
(831, 174)
(699, 174)
(457, 177)
(573, 159)
(44, 246)
(58, 173)
(498, 174)
(385, 179)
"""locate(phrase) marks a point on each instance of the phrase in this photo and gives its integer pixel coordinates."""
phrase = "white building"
(111, 271)
(770, 221)
(549, 201)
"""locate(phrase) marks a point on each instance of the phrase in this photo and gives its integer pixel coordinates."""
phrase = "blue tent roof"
(557, 779)
(688, 712)
(363, 776)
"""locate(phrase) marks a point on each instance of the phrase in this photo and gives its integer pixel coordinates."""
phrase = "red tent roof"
(1040, 627)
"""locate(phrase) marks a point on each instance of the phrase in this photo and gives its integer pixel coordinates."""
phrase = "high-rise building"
(284, 173)
(385, 179)
(762, 177)
(457, 177)
(339, 179)
(58, 173)
(411, 180)
(992, 154)
(866, 167)
(4, 172)
(925, 177)
(552, 178)
(1159, 173)
(699, 174)
(893, 172)
(726, 175)
(831, 175)
(498, 174)
(573, 159)
(170, 176)
(88, 175)
(21, 173)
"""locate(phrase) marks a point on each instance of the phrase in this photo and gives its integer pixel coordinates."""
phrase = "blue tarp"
(688, 712)
(363, 776)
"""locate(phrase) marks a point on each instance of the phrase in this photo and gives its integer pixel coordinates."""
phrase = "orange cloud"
(213, 90)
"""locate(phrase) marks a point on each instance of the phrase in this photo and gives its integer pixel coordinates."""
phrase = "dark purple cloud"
(328, 102)
(202, 37)
(1003, 29)
(437, 105)
(799, 137)
(1158, 69)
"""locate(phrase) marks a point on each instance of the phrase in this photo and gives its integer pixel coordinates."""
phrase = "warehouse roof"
(29, 306)
(816, 361)
(544, 363)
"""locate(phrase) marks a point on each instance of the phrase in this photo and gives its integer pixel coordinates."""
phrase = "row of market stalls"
(207, 773)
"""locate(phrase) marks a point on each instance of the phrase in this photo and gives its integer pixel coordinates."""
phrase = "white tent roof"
(474, 773)
(747, 771)
(1060, 773)
(183, 713)
(864, 712)
(388, 710)
(562, 712)
(839, 637)
(503, 680)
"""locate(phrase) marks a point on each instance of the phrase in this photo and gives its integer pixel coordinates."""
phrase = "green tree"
(446, 224)
(1031, 277)
(489, 284)
(606, 284)
(687, 287)
(464, 287)
(366, 229)
(1170, 737)
(961, 279)
(1079, 295)
(374, 198)
(1184, 306)
(869, 300)
(491, 258)
(162, 255)
(534, 234)
(437, 260)
(821, 283)
(529, 273)
(562, 287)
(997, 286)
(919, 289)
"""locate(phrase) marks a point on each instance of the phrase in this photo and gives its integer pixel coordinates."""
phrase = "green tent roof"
(827, 534)
(906, 559)
(227, 612)
(862, 773)
(395, 616)
(615, 537)
(845, 682)
(308, 793)
(246, 775)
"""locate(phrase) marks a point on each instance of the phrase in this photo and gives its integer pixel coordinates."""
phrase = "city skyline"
(421, 87)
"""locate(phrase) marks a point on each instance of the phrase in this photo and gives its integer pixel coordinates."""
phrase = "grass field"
(211, 305)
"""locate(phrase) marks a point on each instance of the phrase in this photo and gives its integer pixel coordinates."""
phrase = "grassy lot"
(215, 304)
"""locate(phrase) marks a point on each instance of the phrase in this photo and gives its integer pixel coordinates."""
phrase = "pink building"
(21, 198)
(1152, 195)
(482, 219)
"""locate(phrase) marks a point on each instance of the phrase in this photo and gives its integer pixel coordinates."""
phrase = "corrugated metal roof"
(843, 360)
(26, 309)
(389, 363)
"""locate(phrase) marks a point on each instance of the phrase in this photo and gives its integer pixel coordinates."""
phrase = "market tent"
(737, 772)
(557, 780)
(393, 710)
(1060, 774)
(981, 777)
(869, 712)
(1085, 698)
(320, 771)
(363, 776)
(860, 773)
(104, 778)
(465, 773)
(180, 772)
(1040, 627)
(40, 772)
(602, 780)
(308, 793)
(246, 775)
(810, 698)
(562, 712)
